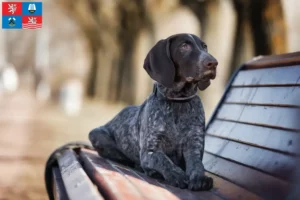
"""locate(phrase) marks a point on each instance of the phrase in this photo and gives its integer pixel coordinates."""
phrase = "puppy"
(165, 135)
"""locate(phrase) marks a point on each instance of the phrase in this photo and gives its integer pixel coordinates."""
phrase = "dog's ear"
(203, 85)
(159, 64)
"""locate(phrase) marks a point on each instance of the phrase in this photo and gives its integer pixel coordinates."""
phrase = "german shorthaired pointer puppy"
(165, 135)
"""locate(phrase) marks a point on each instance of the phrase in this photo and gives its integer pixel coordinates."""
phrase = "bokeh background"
(86, 64)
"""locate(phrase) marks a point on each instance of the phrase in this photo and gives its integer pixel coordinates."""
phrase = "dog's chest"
(179, 117)
(183, 116)
(167, 125)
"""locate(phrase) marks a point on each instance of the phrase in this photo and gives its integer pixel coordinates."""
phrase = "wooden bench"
(252, 146)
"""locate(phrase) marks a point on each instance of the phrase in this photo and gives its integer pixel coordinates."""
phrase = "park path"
(30, 131)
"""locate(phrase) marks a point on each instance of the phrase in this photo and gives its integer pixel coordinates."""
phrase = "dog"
(165, 135)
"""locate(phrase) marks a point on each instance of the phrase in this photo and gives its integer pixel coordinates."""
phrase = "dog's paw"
(178, 178)
(154, 174)
(197, 181)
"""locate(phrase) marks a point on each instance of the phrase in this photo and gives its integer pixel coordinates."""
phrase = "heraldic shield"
(22, 15)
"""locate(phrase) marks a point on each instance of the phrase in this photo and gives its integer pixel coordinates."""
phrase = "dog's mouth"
(204, 77)
(203, 81)
(207, 75)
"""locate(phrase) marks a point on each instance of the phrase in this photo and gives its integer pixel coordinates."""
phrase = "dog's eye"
(185, 46)
(204, 47)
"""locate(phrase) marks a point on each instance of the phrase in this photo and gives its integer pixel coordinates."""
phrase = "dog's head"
(181, 58)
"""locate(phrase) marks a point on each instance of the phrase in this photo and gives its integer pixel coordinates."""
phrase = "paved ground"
(29, 132)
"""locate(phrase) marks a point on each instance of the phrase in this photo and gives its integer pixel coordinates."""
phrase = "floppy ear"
(203, 85)
(159, 65)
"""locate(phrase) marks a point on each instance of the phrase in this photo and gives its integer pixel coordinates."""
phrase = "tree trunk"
(243, 42)
(133, 18)
(92, 77)
(200, 9)
(260, 30)
(268, 27)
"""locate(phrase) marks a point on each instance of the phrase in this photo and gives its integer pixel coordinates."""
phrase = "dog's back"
(124, 129)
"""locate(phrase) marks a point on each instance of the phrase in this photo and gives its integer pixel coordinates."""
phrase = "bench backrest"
(253, 137)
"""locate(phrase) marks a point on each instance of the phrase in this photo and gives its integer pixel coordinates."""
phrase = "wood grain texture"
(269, 116)
(276, 96)
(59, 190)
(222, 189)
(274, 61)
(115, 185)
(228, 190)
(268, 138)
(269, 77)
(276, 164)
(265, 186)
(76, 182)
(253, 140)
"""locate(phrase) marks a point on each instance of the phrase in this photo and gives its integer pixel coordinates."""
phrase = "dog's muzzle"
(210, 68)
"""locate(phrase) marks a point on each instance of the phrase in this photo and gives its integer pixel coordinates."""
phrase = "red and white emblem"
(32, 22)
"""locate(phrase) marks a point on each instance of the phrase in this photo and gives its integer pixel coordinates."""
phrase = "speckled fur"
(162, 136)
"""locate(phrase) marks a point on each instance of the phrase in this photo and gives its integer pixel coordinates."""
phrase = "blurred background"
(86, 64)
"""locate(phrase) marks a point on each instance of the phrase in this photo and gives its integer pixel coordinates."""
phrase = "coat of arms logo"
(11, 21)
(22, 14)
(12, 8)
(31, 8)
(31, 20)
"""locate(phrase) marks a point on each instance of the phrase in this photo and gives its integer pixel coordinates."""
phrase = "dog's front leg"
(193, 153)
(159, 162)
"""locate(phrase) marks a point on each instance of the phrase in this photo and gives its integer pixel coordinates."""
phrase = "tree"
(111, 27)
(262, 23)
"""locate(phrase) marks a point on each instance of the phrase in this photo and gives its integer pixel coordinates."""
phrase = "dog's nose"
(211, 64)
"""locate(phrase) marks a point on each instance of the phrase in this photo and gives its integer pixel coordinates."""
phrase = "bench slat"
(280, 96)
(255, 181)
(144, 184)
(269, 138)
(287, 59)
(274, 163)
(108, 179)
(276, 117)
(270, 76)
(77, 183)
(59, 190)
(228, 190)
